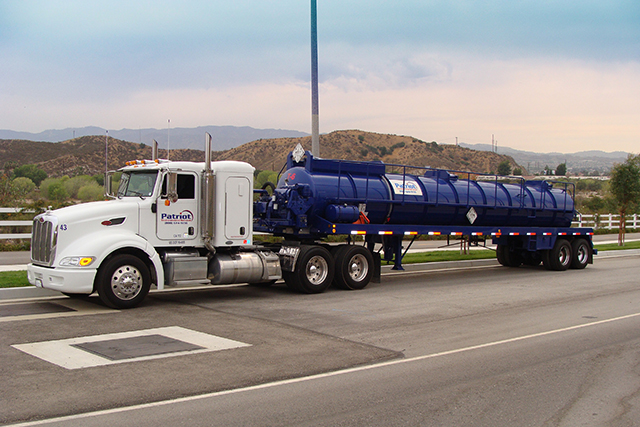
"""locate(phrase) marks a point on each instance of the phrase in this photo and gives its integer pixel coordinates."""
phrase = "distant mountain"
(587, 162)
(224, 137)
(85, 155)
(360, 145)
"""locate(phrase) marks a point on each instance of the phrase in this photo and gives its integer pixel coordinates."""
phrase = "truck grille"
(43, 241)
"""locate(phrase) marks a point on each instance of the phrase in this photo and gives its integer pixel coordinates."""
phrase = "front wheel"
(123, 281)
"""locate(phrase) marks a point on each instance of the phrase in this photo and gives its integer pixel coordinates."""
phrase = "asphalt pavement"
(480, 345)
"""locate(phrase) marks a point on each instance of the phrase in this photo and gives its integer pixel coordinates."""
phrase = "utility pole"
(168, 140)
(106, 153)
(315, 115)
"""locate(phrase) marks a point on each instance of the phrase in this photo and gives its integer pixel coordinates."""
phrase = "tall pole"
(168, 140)
(106, 153)
(315, 117)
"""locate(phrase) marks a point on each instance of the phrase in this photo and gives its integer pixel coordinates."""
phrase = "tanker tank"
(313, 190)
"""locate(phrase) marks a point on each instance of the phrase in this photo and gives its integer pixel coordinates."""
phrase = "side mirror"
(172, 187)
(108, 184)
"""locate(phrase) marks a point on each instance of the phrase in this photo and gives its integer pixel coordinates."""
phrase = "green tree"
(32, 172)
(561, 170)
(91, 192)
(8, 194)
(72, 185)
(625, 188)
(57, 192)
(517, 171)
(264, 177)
(23, 186)
(504, 168)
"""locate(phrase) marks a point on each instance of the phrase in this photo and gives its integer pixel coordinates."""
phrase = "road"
(487, 346)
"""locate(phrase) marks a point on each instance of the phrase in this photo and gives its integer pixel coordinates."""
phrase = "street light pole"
(315, 119)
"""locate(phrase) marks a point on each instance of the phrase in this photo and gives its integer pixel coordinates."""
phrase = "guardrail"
(608, 221)
(14, 223)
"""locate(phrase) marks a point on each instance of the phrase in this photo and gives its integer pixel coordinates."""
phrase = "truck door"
(178, 221)
(238, 198)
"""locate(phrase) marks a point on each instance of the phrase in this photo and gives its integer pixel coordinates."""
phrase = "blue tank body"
(337, 191)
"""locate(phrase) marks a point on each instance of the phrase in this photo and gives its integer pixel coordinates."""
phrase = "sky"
(561, 75)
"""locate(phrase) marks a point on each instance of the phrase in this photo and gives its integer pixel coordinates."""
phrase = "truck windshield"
(137, 184)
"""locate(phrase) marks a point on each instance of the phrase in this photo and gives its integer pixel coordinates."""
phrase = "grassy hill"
(271, 154)
(85, 155)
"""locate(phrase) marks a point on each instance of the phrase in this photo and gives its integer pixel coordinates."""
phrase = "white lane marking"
(320, 376)
(64, 354)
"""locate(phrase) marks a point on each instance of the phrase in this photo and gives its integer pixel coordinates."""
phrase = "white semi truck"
(171, 223)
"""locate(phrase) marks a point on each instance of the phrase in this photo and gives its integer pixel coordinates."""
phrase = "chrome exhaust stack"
(208, 196)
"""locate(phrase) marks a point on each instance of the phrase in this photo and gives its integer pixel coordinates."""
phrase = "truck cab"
(168, 224)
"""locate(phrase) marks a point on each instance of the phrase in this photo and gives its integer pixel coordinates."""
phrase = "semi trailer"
(173, 223)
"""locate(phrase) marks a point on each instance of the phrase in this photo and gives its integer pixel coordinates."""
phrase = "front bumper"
(70, 280)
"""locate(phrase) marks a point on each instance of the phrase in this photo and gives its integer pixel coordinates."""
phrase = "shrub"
(74, 184)
(90, 192)
(57, 192)
(23, 186)
(32, 172)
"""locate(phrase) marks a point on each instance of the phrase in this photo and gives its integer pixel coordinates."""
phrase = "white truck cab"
(169, 224)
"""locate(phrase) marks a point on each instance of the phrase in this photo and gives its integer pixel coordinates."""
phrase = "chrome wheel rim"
(317, 270)
(564, 255)
(126, 282)
(583, 254)
(358, 268)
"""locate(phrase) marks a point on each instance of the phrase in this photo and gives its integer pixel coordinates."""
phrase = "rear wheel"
(532, 258)
(559, 257)
(581, 252)
(314, 271)
(354, 267)
(123, 281)
(507, 257)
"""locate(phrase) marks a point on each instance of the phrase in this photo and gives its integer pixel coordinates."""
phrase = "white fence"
(608, 221)
(14, 223)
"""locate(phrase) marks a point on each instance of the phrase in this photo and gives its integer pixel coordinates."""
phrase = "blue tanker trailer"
(529, 221)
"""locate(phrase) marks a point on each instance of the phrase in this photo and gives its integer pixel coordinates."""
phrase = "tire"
(581, 253)
(123, 281)
(508, 258)
(559, 258)
(501, 256)
(532, 259)
(291, 281)
(314, 271)
(354, 267)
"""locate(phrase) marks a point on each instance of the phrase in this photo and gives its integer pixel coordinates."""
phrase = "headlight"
(77, 261)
